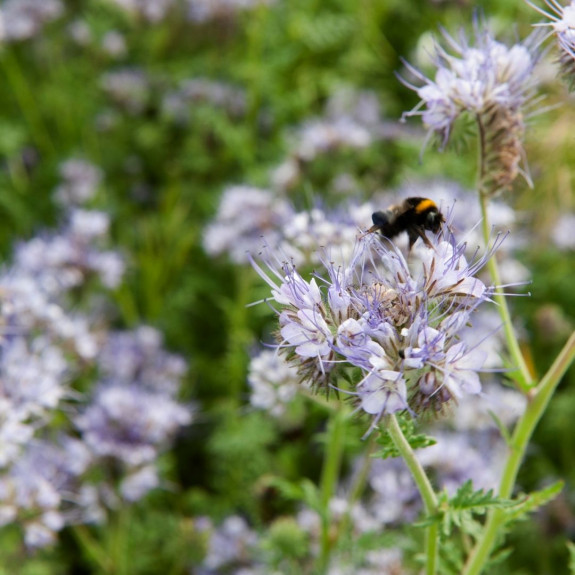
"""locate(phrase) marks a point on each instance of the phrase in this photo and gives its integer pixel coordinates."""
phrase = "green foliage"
(458, 512)
(533, 501)
(415, 440)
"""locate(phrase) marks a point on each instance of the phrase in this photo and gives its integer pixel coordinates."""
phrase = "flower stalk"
(425, 489)
(510, 336)
(519, 442)
(336, 429)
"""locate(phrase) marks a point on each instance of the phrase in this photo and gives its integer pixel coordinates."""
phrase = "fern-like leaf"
(416, 440)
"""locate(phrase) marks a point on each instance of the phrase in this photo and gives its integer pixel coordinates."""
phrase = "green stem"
(425, 489)
(358, 485)
(510, 336)
(26, 101)
(92, 548)
(117, 541)
(329, 477)
(539, 399)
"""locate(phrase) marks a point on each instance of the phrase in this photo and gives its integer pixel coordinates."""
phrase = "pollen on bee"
(424, 205)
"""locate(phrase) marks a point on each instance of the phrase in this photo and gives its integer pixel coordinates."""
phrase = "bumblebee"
(413, 215)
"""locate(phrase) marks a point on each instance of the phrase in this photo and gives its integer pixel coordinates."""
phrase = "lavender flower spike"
(490, 81)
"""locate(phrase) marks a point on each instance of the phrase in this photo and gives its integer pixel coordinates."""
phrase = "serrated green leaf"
(533, 501)
(415, 440)
(458, 511)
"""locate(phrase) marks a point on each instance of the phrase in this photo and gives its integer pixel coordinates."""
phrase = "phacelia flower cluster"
(351, 121)
(178, 103)
(393, 329)
(493, 83)
(269, 215)
(52, 435)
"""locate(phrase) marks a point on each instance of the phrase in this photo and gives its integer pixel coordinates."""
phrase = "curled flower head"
(389, 327)
(489, 80)
(563, 26)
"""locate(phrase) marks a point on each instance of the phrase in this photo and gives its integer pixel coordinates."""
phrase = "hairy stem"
(510, 336)
(539, 401)
(329, 477)
(425, 489)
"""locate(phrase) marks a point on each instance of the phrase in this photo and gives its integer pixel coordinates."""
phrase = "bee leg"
(418, 232)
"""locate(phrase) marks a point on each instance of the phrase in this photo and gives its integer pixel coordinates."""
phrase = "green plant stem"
(539, 399)
(510, 336)
(358, 485)
(26, 100)
(329, 477)
(92, 548)
(119, 542)
(425, 489)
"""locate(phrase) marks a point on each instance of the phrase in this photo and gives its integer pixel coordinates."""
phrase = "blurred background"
(145, 146)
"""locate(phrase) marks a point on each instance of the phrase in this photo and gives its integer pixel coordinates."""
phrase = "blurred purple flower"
(129, 423)
(563, 26)
(23, 19)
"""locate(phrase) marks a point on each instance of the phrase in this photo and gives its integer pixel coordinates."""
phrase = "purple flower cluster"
(195, 10)
(397, 326)
(208, 10)
(273, 383)
(80, 182)
(352, 120)
(52, 437)
(268, 215)
(177, 104)
(474, 79)
(491, 82)
(23, 19)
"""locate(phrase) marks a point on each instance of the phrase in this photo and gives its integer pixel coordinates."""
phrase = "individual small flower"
(80, 181)
(395, 497)
(273, 382)
(33, 375)
(231, 544)
(563, 25)
(493, 83)
(80, 32)
(458, 457)
(129, 88)
(23, 19)
(113, 44)
(177, 104)
(562, 234)
(398, 324)
(135, 485)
